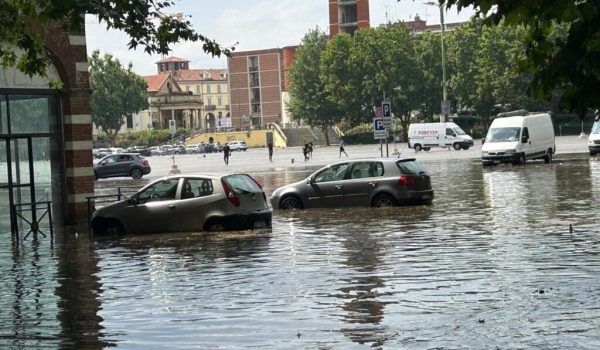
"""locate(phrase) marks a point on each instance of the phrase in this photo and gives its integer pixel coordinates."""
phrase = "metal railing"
(35, 219)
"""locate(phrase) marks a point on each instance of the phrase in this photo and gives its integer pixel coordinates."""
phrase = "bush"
(152, 137)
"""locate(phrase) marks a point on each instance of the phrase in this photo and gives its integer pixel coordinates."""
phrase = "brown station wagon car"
(360, 182)
(187, 203)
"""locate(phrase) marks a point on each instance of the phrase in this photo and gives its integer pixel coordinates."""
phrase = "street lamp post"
(445, 107)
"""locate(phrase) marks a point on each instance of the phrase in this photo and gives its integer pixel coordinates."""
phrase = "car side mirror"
(524, 139)
(310, 181)
(133, 200)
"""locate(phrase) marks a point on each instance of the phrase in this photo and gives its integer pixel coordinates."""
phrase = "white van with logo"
(516, 139)
(594, 139)
(423, 136)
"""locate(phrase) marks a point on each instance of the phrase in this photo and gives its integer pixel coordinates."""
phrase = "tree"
(309, 101)
(116, 93)
(563, 45)
(21, 21)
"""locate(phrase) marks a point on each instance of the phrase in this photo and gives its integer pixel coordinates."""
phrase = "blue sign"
(378, 124)
(386, 109)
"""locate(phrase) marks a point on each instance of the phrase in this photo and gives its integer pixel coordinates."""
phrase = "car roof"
(373, 159)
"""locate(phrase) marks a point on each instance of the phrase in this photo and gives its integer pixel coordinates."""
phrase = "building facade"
(46, 136)
(347, 16)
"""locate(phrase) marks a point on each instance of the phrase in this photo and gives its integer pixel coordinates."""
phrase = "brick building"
(46, 135)
(347, 16)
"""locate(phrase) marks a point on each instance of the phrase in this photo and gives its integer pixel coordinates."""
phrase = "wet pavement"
(492, 264)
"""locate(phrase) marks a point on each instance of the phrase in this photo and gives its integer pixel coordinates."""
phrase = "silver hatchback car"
(361, 182)
(187, 203)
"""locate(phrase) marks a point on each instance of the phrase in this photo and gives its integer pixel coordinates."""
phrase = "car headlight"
(484, 153)
(590, 142)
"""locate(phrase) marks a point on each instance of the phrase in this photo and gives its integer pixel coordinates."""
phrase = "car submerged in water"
(359, 183)
(187, 203)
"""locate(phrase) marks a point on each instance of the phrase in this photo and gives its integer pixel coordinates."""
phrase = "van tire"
(426, 149)
(521, 160)
(548, 157)
(418, 148)
(465, 147)
(457, 146)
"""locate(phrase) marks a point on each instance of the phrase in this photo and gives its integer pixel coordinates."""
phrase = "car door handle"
(339, 187)
(172, 206)
(373, 184)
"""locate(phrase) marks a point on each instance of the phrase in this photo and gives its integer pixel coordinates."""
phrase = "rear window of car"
(242, 184)
(411, 167)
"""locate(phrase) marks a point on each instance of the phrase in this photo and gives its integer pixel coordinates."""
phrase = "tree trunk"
(325, 130)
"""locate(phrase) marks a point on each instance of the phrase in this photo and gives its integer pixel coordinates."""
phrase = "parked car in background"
(594, 139)
(237, 145)
(191, 149)
(362, 182)
(122, 164)
(187, 203)
(145, 151)
(101, 153)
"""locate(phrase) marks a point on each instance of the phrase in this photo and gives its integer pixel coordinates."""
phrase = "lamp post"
(445, 107)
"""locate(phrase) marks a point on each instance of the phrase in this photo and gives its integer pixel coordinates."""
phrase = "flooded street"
(492, 264)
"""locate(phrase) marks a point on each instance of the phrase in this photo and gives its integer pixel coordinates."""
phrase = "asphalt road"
(256, 159)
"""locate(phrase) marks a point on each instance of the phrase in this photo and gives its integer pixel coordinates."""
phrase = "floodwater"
(492, 264)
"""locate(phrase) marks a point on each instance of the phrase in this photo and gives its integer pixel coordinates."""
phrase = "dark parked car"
(361, 182)
(122, 164)
(188, 203)
(145, 151)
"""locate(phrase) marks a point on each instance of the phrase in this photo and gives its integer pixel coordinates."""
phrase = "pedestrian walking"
(226, 153)
(310, 149)
(342, 148)
(305, 151)
(270, 147)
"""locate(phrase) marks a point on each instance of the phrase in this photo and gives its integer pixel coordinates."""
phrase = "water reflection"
(490, 264)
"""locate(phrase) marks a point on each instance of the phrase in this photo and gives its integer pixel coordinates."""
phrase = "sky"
(252, 25)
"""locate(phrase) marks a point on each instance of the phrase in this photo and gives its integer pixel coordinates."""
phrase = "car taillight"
(406, 181)
(230, 193)
(145, 162)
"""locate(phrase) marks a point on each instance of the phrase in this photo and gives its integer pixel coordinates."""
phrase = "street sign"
(172, 128)
(379, 131)
(386, 109)
(378, 112)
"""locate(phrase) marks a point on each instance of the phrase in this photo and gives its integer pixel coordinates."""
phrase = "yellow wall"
(253, 138)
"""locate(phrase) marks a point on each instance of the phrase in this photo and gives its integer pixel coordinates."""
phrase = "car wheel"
(418, 148)
(136, 173)
(113, 228)
(426, 149)
(384, 200)
(548, 157)
(215, 225)
(290, 202)
(457, 146)
(521, 160)
(592, 153)
(465, 147)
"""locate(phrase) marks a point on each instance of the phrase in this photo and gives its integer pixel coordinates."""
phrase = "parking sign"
(386, 109)
(379, 131)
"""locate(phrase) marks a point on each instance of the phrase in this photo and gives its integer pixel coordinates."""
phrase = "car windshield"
(459, 131)
(596, 128)
(411, 167)
(503, 135)
(242, 184)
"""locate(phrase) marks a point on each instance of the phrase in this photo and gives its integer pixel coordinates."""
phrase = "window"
(208, 89)
(129, 120)
(125, 158)
(254, 80)
(449, 132)
(197, 188)
(198, 89)
(219, 101)
(366, 169)
(253, 63)
(410, 168)
(160, 191)
(218, 89)
(256, 108)
(333, 173)
(209, 101)
(525, 133)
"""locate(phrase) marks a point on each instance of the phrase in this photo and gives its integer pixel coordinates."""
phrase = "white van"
(519, 138)
(423, 136)
(594, 139)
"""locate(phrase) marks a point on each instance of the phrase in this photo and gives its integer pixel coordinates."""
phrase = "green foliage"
(144, 21)
(309, 101)
(149, 138)
(116, 92)
(562, 46)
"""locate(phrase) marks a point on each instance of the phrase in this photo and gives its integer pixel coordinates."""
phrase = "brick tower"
(346, 16)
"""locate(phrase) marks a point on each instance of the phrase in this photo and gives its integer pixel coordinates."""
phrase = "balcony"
(157, 101)
(210, 107)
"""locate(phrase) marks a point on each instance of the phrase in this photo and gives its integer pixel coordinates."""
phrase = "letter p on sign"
(386, 109)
